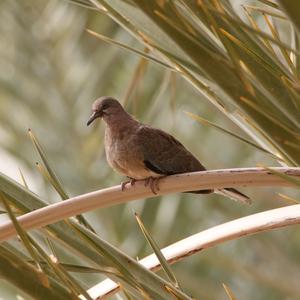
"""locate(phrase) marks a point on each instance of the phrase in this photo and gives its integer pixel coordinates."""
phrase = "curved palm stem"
(256, 223)
(213, 179)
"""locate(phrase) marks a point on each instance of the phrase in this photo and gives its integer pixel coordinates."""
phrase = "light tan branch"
(255, 223)
(171, 184)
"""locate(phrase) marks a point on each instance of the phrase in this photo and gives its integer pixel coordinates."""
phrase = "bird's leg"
(149, 181)
(123, 184)
(132, 181)
(153, 183)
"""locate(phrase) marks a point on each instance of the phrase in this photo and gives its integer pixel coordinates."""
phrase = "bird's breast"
(125, 156)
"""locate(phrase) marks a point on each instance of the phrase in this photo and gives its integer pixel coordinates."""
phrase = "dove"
(142, 152)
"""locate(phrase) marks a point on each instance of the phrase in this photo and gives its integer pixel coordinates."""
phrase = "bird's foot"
(132, 181)
(152, 182)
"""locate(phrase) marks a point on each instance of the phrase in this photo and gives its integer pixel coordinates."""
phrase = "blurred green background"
(51, 72)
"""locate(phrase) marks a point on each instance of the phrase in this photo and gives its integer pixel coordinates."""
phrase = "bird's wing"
(165, 155)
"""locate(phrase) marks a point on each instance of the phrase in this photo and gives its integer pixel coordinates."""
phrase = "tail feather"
(234, 195)
(231, 193)
(201, 192)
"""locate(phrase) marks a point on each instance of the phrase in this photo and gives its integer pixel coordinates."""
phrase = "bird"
(142, 152)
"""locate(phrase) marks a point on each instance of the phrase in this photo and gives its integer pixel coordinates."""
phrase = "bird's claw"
(153, 184)
(124, 183)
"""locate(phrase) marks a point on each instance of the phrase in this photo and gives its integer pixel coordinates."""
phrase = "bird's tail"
(231, 193)
(200, 192)
(234, 195)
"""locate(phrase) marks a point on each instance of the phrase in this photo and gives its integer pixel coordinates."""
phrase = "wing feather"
(165, 155)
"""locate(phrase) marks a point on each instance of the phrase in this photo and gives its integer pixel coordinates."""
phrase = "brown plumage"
(140, 151)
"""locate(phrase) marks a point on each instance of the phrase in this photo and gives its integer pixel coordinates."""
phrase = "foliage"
(245, 62)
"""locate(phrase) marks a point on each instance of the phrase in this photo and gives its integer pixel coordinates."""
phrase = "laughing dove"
(140, 151)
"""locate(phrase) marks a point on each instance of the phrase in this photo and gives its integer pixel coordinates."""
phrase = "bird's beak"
(93, 116)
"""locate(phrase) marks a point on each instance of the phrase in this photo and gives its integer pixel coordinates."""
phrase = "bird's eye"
(104, 106)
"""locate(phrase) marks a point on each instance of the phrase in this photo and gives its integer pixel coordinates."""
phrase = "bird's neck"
(117, 125)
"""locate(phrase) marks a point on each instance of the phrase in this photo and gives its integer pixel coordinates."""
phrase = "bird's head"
(105, 107)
